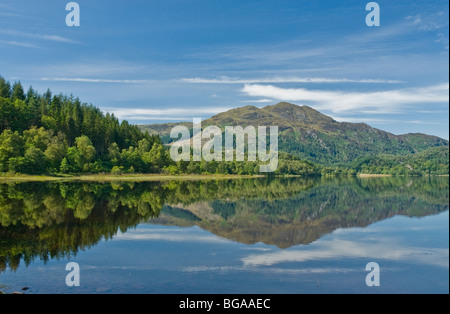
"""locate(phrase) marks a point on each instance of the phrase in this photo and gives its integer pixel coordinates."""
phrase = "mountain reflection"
(56, 220)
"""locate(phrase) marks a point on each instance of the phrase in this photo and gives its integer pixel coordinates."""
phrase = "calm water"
(240, 236)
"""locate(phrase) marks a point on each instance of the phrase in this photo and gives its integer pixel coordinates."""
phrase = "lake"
(262, 235)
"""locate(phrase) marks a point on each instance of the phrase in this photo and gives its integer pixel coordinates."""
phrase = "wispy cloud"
(259, 101)
(170, 114)
(382, 121)
(18, 44)
(93, 70)
(273, 270)
(168, 236)
(38, 36)
(427, 23)
(8, 14)
(423, 122)
(360, 120)
(228, 80)
(91, 80)
(341, 101)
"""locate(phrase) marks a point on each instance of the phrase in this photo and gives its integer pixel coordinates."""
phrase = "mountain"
(309, 134)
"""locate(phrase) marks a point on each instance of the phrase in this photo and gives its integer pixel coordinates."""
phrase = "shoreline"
(154, 177)
(368, 175)
(128, 177)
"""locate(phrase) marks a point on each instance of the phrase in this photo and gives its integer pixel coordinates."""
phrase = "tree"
(114, 154)
(22, 116)
(144, 146)
(86, 149)
(73, 160)
(55, 154)
(117, 170)
(37, 162)
(132, 157)
(5, 88)
(65, 166)
(7, 112)
(39, 138)
(156, 158)
(31, 95)
(11, 145)
(18, 92)
(18, 165)
(49, 123)
(193, 167)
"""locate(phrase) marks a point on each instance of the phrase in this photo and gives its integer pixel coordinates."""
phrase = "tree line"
(58, 134)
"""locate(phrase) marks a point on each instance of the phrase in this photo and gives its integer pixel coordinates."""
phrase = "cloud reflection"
(384, 249)
(171, 235)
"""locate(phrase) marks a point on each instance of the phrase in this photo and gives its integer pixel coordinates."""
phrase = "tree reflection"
(57, 220)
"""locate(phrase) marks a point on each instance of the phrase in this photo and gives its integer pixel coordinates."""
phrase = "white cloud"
(261, 101)
(381, 249)
(289, 271)
(341, 101)
(168, 236)
(427, 23)
(382, 121)
(10, 14)
(422, 122)
(39, 36)
(228, 80)
(175, 114)
(19, 44)
(360, 120)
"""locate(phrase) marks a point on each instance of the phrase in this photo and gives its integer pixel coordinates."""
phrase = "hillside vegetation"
(334, 147)
(57, 134)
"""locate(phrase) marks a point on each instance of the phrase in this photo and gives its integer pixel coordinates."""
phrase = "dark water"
(239, 236)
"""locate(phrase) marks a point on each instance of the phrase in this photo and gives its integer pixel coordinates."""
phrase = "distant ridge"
(309, 134)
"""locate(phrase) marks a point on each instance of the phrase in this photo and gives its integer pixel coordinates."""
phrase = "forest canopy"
(59, 134)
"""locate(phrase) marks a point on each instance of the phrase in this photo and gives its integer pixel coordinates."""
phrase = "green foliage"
(37, 161)
(5, 88)
(17, 92)
(117, 170)
(86, 149)
(72, 136)
(58, 134)
(65, 166)
(311, 136)
(433, 161)
(11, 146)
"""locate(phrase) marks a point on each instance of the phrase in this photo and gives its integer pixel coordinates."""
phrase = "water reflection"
(56, 220)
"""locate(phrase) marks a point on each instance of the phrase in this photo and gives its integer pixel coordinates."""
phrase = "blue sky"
(171, 60)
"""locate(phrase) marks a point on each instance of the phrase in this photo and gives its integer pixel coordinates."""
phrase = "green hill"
(311, 135)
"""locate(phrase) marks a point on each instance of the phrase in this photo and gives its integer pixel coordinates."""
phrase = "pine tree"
(18, 92)
(5, 88)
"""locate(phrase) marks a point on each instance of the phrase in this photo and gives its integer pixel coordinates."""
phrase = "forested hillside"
(59, 134)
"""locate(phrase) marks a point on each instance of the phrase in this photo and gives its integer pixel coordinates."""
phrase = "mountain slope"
(309, 134)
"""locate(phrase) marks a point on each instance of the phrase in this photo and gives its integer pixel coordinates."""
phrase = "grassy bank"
(147, 177)
(127, 177)
(367, 175)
